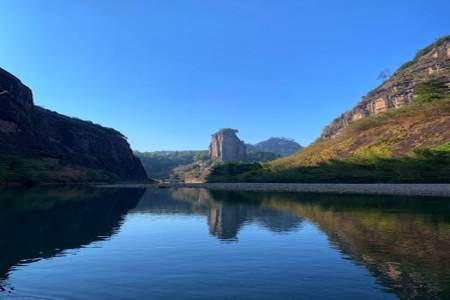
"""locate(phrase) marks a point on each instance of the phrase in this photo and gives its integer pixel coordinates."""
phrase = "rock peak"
(225, 146)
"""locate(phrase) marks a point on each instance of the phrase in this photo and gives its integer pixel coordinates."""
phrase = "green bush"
(423, 51)
(431, 90)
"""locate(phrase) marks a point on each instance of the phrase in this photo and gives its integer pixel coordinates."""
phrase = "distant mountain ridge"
(161, 164)
(279, 145)
(225, 147)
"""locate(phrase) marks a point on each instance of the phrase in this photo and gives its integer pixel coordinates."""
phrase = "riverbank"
(438, 190)
(406, 189)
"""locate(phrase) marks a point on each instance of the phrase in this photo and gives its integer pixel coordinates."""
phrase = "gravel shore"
(422, 189)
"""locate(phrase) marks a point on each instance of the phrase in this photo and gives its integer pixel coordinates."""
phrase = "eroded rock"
(225, 146)
(399, 90)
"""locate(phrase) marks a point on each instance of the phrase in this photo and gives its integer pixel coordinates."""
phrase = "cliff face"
(400, 132)
(35, 132)
(398, 90)
(225, 146)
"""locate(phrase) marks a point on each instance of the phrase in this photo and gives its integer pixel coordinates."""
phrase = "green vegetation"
(431, 90)
(423, 165)
(254, 156)
(419, 53)
(277, 146)
(177, 165)
(424, 51)
(189, 154)
(162, 164)
(410, 144)
(29, 171)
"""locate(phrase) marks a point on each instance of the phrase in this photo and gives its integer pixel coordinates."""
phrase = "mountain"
(400, 89)
(398, 132)
(161, 164)
(39, 145)
(225, 146)
(279, 146)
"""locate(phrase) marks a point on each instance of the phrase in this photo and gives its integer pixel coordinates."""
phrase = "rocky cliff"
(30, 131)
(225, 146)
(399, 89)
(400, 132)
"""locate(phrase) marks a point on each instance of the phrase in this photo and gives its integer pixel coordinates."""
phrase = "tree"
(384, 75)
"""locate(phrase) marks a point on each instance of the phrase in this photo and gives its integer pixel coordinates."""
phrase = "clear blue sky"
(168, 73)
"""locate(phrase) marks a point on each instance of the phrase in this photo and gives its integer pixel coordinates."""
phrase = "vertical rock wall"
(225, 146)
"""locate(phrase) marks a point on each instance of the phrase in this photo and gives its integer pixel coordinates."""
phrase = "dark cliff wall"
(26, 129)
(398, 90)
(226, 146)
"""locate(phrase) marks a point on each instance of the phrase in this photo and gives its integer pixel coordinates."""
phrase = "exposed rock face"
(195, 166)
(280, 146)
(398, 90)
(26, 129)
(225, 146)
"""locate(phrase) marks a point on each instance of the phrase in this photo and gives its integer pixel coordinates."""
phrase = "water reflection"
(225, 215)
(41, 222)
(404, 242)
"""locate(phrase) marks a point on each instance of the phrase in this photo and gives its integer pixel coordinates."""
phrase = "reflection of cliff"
(403, 253)
(225, 218)
(40, 223)
(404, 242)
(227, 215)
(224, 222)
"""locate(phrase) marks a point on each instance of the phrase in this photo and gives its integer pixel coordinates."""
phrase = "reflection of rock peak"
(225, 218)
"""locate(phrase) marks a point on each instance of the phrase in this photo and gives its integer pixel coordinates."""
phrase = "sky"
(169, 73)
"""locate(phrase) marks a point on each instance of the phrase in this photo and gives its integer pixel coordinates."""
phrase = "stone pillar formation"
(225, 146)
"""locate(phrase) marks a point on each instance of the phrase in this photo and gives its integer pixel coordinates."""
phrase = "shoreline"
(400, 189)
(397, 189)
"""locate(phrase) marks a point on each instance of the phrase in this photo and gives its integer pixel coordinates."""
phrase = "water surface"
(132, 243)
